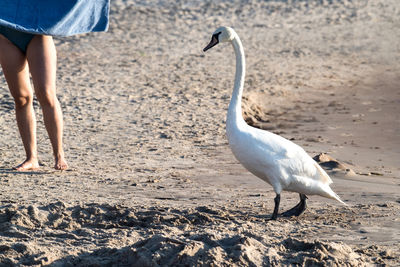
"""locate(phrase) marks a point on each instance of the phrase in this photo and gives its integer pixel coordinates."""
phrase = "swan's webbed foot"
(298, 209)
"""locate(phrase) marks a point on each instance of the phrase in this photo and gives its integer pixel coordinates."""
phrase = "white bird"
(274, 159)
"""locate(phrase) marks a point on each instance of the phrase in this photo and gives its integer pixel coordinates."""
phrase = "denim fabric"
(55, 17)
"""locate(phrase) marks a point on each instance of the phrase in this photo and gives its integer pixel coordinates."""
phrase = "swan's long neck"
(235, 117)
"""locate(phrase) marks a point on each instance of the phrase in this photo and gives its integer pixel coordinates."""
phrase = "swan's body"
(274, 159)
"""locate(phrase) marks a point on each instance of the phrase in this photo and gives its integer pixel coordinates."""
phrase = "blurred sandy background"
(152, 180)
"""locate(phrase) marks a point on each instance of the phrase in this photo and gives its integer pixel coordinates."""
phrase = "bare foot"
(28, 165)
(61, 164)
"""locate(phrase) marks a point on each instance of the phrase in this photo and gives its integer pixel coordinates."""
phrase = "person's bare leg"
(16, 72)
(42, 59)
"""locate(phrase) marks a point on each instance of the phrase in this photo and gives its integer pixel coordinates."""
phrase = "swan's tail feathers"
(328, 192)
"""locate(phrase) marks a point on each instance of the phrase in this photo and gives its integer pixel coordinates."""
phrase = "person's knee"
(21, 101)
(46, 98)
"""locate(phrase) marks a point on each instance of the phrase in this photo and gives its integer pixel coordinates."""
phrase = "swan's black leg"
(298, 209)
(277, 200)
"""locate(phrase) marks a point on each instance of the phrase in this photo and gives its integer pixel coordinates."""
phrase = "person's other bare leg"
(16, 72)
(42, 59)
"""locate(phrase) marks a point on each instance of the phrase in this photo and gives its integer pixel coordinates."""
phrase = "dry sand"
(152, 180)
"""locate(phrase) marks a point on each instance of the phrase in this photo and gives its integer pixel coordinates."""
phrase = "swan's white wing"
(299, 163)
(279, 156)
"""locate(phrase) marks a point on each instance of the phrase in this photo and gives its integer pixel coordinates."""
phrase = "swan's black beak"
(214, 41)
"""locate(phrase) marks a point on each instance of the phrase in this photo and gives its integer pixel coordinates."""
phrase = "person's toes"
(61, 165)
(27, 166)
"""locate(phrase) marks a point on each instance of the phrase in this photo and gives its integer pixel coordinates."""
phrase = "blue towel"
(55, 17)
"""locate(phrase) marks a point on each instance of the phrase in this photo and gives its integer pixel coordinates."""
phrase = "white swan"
(274, 159)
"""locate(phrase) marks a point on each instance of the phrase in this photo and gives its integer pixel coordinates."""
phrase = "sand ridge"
(163, 236)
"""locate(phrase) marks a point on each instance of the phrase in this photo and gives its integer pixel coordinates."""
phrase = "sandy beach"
(152, 181)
